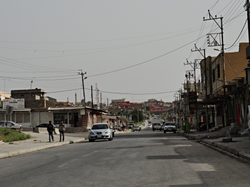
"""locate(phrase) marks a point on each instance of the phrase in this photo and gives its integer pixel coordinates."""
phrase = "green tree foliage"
(135, 113)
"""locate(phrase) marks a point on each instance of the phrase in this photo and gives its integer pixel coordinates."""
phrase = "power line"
(119, 93)
(138, 64)
(238, 36)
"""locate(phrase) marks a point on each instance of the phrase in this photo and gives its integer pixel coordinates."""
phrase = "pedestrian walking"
(50, 129)
(62, 128)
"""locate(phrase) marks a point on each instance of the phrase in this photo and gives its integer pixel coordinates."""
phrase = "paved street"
(144, 158)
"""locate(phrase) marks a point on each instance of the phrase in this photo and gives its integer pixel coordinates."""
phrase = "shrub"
(8, 135)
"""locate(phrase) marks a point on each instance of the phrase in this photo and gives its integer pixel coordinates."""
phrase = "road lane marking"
(68, 163)
(89, 154)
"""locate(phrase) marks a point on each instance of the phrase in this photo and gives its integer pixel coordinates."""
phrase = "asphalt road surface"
(144, 158)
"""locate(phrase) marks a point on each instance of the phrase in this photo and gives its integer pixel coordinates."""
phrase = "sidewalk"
(40, 141)
(239, 147)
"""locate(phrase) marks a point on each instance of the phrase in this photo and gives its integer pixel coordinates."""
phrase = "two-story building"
(222, 80)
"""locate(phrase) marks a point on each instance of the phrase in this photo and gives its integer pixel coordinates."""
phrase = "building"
(34, 98)
(223, 86)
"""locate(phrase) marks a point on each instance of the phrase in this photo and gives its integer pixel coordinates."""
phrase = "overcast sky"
(133, 49)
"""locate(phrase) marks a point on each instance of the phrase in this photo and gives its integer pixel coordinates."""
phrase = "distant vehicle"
(130, 124)
(100, 131)
(169, 126)
(11, 125)
(45, 125)
(162, 125)
(156, 126)
(149, 126)
(137, 128)
(118, 127)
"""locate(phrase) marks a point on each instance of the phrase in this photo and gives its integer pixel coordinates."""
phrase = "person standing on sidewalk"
(62, 128)
(50, 129)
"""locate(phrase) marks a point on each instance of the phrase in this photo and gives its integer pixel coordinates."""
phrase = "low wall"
(44, 130)
(75, 129)
(27, 128)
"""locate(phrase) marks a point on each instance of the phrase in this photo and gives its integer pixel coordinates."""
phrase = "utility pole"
(100, 100)
(205, 62)
(247, 6)
(83, 89)
(194, 66)
(92, 104)
(97, 97)
(188, 75)
(221, 43)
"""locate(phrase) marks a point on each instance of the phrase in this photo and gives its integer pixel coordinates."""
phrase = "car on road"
(170, 127)
(149, 126)
(100, 131)
(156, 126)
(11, 125)
(130, 124)
(137, 128)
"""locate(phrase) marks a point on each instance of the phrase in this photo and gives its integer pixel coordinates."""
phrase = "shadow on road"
(147, 133)
(161, 157)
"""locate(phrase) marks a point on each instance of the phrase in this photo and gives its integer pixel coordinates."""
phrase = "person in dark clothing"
(61, 130)
(50, 129)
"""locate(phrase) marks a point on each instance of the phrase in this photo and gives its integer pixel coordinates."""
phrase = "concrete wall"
(76, 129)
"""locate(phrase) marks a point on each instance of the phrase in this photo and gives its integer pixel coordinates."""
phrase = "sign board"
(15, 103)
(192, 100)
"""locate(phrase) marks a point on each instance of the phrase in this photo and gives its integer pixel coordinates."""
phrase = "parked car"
(137, 128)
(156, 126)
(170, 126)
(45, 125)
(100, 131)
(11, 125)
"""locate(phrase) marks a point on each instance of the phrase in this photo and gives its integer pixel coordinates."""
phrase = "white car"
(100, 131)
(170, 126)
(149, 126)
(11, 125)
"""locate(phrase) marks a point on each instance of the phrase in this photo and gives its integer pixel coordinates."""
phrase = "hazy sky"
(133, 49)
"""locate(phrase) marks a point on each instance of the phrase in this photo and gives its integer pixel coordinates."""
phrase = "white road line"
(89, 154)
(68, 163)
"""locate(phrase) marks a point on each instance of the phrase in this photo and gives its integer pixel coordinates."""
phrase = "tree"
(135, 113)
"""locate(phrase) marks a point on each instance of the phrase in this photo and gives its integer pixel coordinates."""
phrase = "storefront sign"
(192, 100)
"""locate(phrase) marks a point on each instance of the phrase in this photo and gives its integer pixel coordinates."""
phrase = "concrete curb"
(206, 140)
(30, 150)
(227, 150)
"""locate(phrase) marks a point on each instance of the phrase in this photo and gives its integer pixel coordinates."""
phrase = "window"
(203, 80)
(218, 70)
(26, 117)
(58, 117)
(2, 116)
(213, 75)
(19, 117)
